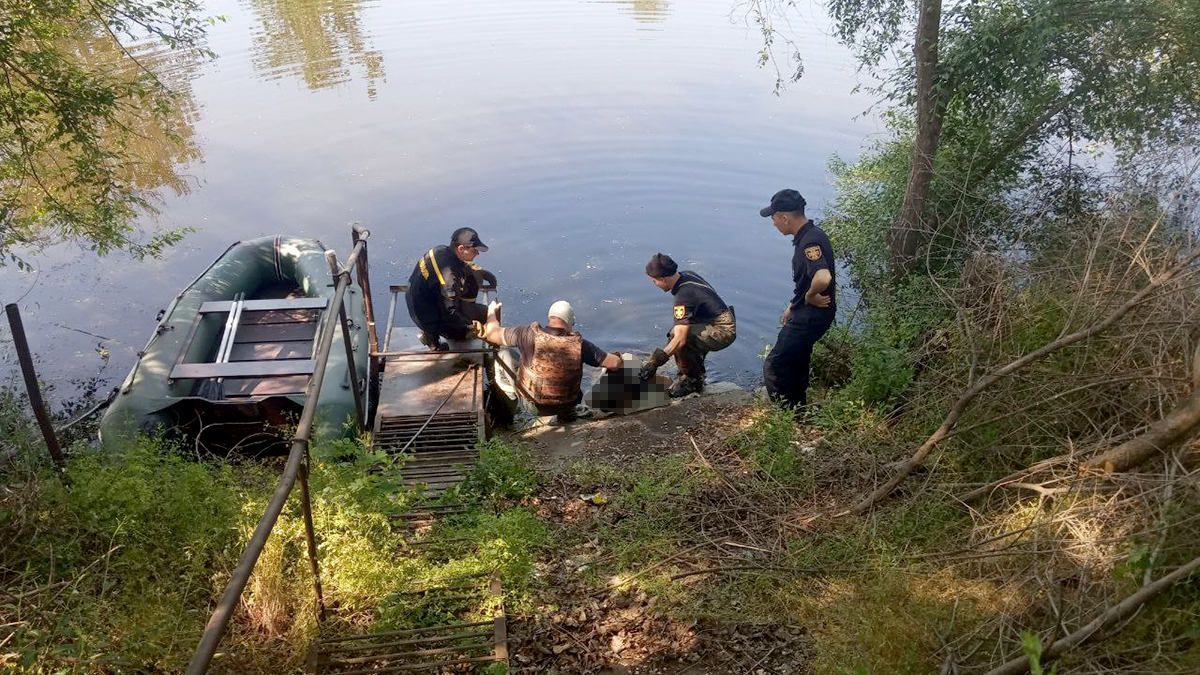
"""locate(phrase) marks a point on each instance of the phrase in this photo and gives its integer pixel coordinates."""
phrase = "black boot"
(433, 342)
(685, 385)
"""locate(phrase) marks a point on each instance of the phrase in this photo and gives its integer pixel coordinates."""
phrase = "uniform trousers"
(786, 370)
(704, 338)
(429, 318)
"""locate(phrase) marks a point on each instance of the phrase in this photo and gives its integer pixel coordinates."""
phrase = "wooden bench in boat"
(266, 347)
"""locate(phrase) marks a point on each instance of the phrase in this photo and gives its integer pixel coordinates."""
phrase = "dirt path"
(620, 437)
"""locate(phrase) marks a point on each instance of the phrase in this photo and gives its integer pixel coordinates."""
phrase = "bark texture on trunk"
(908, 231)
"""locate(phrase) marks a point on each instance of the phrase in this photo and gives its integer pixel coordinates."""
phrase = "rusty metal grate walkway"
(428, 649)
(430, 413)
(439, 451)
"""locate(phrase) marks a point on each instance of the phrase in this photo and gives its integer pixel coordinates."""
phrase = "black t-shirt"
(695, 301)
(812, 253)
(521, 337)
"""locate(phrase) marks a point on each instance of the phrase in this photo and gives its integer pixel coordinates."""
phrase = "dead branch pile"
(1085, 344)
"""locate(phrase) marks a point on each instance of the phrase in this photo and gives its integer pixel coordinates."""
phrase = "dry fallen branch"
(1106, 619)
(1168, 431)
(983, 383)
(1018, 475)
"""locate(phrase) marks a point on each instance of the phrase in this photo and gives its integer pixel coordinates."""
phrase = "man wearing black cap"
(443, 287)
(810, 313)
(703, 324)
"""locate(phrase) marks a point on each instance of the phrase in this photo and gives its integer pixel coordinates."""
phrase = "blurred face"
(465, 252)
(663, 283)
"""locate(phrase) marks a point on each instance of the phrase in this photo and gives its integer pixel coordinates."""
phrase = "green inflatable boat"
(229, 361)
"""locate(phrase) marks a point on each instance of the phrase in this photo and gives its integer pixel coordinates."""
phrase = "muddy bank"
(617, 438)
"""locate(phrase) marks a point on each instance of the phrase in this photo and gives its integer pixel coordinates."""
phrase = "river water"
(578, 136)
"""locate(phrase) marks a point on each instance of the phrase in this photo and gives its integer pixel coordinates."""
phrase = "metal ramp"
(431, 413)
(455, 645)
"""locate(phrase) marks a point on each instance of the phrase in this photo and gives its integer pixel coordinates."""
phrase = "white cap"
(562, 310)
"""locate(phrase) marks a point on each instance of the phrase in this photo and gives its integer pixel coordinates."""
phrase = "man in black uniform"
(703, 324)
(443, 287)
(810, 313)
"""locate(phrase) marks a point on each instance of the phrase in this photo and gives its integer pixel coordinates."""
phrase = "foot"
(433, 342)
(685, 385)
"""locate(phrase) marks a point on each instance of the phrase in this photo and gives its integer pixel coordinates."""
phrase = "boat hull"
(150, 401)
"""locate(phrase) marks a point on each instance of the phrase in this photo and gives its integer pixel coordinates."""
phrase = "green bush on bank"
(118, 572)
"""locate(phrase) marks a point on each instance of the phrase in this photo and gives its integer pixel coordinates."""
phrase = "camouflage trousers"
(704, 338)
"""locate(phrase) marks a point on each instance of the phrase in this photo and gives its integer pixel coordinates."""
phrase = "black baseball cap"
(786, 201)
(467, 237)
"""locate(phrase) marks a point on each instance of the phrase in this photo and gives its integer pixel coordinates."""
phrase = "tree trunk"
(908, 231)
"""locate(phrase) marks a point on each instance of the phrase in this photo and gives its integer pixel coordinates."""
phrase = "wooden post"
(31, 384)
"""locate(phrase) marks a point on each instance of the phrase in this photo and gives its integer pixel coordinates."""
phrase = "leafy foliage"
(76, 105)
(118, 572)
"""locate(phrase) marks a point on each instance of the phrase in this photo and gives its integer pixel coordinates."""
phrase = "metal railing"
(296, 469)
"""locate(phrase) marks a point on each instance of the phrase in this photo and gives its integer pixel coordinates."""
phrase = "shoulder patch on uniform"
(424, 269)
(680, 311)
(812, 252)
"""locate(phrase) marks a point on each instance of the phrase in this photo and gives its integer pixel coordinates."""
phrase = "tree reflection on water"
(645, 11)
(321, 41)
(154, 153)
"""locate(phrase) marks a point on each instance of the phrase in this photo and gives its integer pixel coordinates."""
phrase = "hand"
(787, 314)
(486, 278)
(652, 364)
(493, 309)
(819, 300)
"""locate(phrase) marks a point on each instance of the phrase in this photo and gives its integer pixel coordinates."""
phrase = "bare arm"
(820, 283)
(611, 361)
(493, 332)
(678, 339)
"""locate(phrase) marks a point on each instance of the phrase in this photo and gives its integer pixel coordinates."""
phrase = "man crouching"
(552, 358)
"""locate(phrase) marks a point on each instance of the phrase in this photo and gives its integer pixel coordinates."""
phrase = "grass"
(119, 572)
(875, 594)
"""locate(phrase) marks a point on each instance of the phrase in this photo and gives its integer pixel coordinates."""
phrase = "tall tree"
(990, 82)
(908, 232)
(76, 103)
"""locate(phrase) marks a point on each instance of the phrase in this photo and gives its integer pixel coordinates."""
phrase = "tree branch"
(1106, 619)
(972, 392)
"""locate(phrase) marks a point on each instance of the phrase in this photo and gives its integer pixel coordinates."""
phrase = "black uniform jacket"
(438, 285)
(695, 300)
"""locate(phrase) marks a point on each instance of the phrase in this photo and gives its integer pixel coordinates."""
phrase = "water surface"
(578, 136)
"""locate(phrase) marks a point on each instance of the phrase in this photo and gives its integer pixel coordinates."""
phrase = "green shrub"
(504, 472)
(125, 558)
